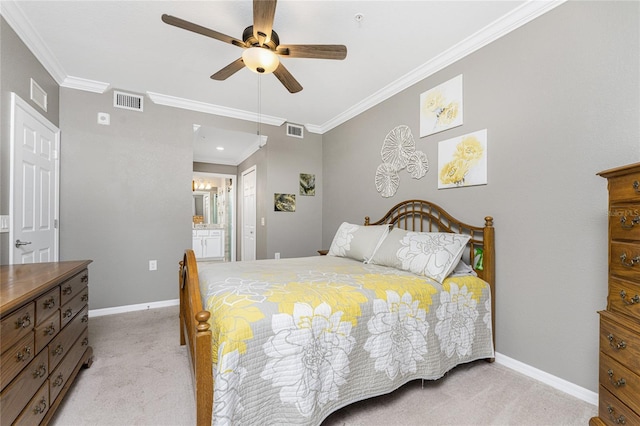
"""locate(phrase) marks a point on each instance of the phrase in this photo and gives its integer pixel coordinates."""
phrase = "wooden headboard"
(424, 216)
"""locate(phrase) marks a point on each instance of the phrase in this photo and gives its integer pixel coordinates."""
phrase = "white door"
(249, 214)
(34, 185)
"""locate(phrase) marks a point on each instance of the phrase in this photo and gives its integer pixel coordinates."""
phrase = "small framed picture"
(307, 184)
(284, 202)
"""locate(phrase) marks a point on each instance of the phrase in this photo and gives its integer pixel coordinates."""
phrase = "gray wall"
(560, 100)
(17, 67)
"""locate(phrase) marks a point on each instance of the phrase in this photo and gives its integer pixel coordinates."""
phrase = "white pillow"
(432, 254)
(357, 242)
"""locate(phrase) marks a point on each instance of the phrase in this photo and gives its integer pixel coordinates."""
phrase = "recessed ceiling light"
(220, 148)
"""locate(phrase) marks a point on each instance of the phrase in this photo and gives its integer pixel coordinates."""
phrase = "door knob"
(22, 243)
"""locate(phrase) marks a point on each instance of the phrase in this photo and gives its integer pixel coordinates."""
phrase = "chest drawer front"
(61, 345)
(47, 305)
(626, 187)
(624, 222)
(613, 412)
(625, 260)
(17, 325)
(624, 297)
(75, 305)
(70, 288)
(47, 331)
(61, 374)
(620, 343)
(35, 411)
(21, 390)
(14, 359)
(623, 383)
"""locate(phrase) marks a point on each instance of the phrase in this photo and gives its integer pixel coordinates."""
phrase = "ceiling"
(102, 45)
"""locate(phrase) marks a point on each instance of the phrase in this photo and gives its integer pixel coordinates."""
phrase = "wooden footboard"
(194, 332)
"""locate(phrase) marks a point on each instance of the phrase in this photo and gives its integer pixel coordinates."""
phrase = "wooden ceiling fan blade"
(264, 12)
(317, 51)
(287, 79)
(229, 70)
(190, 26)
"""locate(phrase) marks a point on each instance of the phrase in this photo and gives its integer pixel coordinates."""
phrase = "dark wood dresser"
(619, 391)
(44, 317)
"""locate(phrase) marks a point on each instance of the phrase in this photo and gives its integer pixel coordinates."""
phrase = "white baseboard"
(132, 308)
(549, 379)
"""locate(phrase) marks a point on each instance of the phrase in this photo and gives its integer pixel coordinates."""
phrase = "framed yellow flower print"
(462, 161)
(441, 107)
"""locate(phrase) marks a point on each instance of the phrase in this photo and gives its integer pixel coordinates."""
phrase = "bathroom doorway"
(214, 216)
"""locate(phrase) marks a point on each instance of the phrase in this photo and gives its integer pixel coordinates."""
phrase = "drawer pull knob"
(50, 303)
(616, 383)
(85, 297)
(23, 322)
(625, 225)
(50, 331)
(620, 345)
(41, 407)
(636, 186)
(58, 381)
(24, 354)
(67, 290)
(67, 313)
(635, 299)
(41, 371)
(85, 341)
(58, 350)
(612, 415)
(85, 318)
(633, 262)
(84, 278)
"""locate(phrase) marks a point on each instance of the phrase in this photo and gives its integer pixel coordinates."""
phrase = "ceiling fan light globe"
(260, 60)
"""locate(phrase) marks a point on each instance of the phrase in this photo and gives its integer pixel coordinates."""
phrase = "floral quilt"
(296, 339)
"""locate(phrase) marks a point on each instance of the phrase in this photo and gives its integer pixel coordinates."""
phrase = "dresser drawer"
(47, 305)
(623, 383)
(620, 343)
(36, 409)
(61, 345)
(47, 331)
(14, 359)
(70, 288)
(613, 412)
(75, 305)
(625, 187)
(624, 222)
(17, 325)
(62, 373)
(624, 297)
(625, 260)
(14, 398)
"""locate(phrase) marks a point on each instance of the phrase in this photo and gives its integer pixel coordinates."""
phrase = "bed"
(291, 341)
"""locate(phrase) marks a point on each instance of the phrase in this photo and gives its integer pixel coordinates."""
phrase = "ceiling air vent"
(295, 130)
(127, 101)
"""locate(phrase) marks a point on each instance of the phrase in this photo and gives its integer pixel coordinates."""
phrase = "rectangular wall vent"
(295, 130)
(128, 101)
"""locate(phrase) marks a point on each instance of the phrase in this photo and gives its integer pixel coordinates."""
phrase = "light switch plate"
(4, 223)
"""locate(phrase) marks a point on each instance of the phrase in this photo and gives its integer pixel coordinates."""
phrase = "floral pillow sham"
(432, 254)
(357, 242)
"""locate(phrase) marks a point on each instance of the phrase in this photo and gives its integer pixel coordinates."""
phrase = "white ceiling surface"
(126, 46)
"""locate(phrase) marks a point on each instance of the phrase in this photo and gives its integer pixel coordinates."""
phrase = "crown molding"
(84, 84)
(189, 104)
(498, 28)
(12, 13)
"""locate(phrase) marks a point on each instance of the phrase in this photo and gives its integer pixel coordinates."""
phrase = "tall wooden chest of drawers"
(619, 391)
(45, 341)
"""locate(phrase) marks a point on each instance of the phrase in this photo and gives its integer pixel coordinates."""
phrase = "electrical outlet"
(4, 223)
(277, 255)
(153, 265)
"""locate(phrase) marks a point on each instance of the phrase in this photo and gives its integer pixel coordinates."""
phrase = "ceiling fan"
(262, 46)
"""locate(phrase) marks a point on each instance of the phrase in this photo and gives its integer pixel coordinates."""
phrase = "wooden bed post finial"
(202, 317)
(366, 221)
(488, 221)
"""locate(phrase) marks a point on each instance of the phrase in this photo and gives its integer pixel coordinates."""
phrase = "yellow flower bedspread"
(296, 339)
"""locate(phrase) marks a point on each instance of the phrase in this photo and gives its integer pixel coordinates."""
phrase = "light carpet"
(140, 376)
